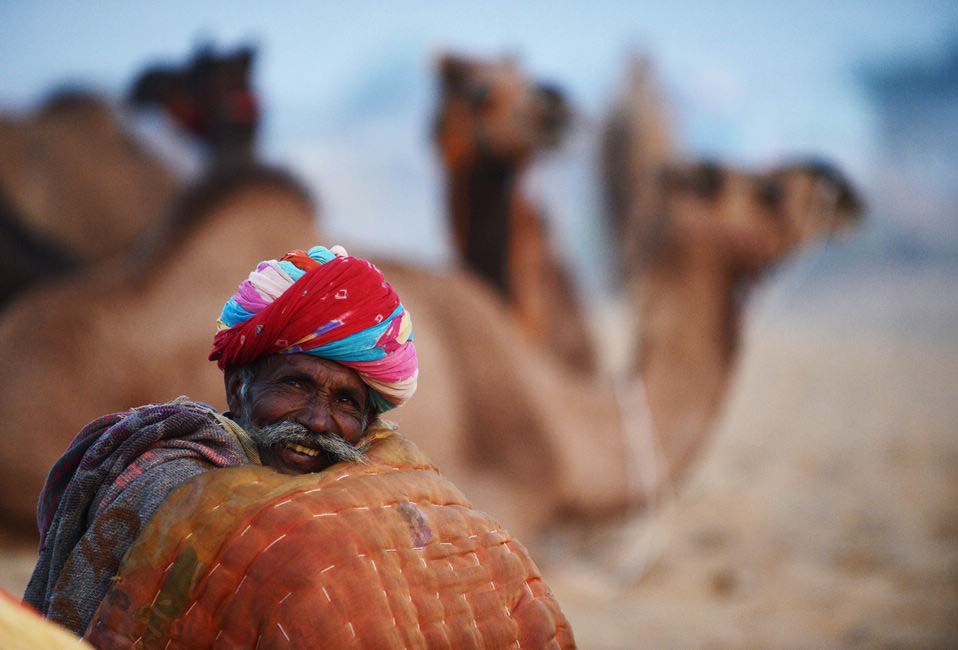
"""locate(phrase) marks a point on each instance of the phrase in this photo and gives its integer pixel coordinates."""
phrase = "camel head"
(754, 220)
(212, 97)
(489, 109)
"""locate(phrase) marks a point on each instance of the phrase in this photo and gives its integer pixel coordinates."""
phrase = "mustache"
(288, 432)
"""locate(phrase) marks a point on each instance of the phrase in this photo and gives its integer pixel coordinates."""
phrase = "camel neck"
(480, 202)
(691, 324)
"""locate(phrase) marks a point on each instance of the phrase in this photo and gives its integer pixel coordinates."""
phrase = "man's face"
(301, 411)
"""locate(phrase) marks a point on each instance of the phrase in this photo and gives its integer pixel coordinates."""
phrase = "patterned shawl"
(107, 485)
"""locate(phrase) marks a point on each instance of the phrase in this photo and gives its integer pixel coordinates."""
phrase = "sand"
(824, 513)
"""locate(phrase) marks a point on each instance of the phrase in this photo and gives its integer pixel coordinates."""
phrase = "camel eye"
(770, 195)
(707, 180)
(480, 95)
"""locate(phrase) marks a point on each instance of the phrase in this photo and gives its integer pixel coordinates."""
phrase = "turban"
(325, 303)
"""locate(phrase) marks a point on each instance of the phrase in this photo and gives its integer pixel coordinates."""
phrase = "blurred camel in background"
(692, 239)
(719, 231)
(134, 329)
(75, 187)
(76, 183)
(490, 124)
(211, 97)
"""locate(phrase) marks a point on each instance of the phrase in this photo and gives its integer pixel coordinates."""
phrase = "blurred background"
(823, 512)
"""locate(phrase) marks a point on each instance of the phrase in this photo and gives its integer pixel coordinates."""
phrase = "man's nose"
(317, 417)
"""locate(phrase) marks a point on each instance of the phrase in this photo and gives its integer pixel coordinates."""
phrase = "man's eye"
(292, 382)
(347, 399)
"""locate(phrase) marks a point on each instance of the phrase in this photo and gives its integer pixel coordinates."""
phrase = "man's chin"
(289, 461)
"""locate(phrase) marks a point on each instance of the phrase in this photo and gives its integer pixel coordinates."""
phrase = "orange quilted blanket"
(387, 554)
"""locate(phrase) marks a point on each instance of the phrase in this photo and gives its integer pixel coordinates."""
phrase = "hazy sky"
(347, 85)
(775, 72)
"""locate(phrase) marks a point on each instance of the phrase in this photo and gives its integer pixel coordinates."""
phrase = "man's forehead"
(316, 367)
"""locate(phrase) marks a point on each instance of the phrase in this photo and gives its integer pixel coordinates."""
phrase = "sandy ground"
(824, 512)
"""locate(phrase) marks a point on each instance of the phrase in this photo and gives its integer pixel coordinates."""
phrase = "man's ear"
(233, 380)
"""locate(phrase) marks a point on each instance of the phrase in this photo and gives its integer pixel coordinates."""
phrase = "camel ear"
(203, 57)
(245, 56)
(851, 207)
(453, 72)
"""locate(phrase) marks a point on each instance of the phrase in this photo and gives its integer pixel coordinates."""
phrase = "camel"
(490, 124)
(211, 98)
(117, 345)
(77, 185)
(73, 177)
(140, 328)
(691, 289)
(693, 239)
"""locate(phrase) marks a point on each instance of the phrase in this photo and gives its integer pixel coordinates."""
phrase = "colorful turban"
(326, 303)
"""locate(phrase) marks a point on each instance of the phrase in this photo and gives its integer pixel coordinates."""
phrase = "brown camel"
(74, 177)
(692, 240)
(490, 124)
(720, 230)
(211, 98)
(77, 186)
(103, 337)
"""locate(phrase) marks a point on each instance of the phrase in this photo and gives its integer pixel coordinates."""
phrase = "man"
(314, 346)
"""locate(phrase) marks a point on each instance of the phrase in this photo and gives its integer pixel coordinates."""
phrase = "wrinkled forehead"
(317, 368)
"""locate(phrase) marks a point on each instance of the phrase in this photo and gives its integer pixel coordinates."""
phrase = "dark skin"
(322, 395)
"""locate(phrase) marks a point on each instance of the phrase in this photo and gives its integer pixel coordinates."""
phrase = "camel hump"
(383, 554)
(218, 192)
(222, 185)
(69, 101)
